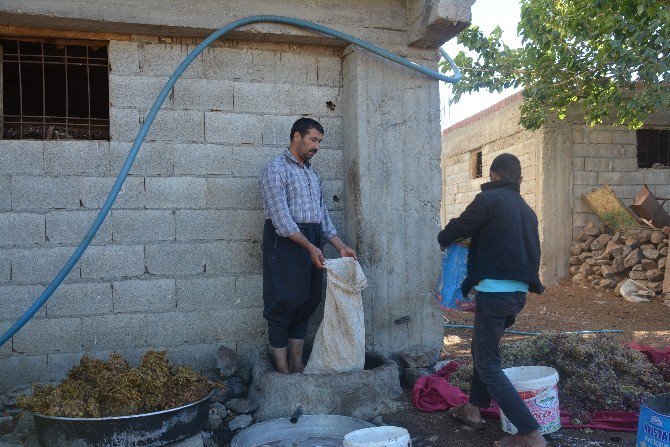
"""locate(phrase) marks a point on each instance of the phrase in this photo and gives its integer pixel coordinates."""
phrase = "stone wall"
(176, 265)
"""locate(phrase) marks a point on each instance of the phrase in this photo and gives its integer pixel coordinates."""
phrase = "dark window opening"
(653, 148)
(476, 164)
(54, 91)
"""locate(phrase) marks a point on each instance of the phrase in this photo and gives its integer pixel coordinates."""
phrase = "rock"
(601, 242)
(657, 237)
(601, 262)
(576, 249)
(618, 264)
(648, 264)
(655, 275)
(420, 357)
(610, 283)
(663, 251)
(574, 269)
(592, 262)
(584, 256)
(26, 422)
(240, 422)
(666, 230)
(617, 251)
(597, 254)
(218, 408)
(655, 286)
(633, 258)
(644, 236)
(637, 275)
(626, 249)
(586, 269)
(242, 406)
(226, 360)
(235, 387)
(578, 279)
(617, 289)
(412, 374)
(651, 253)
(574, 260)
(586, 245)
(662, 262)
(218, 395)
(637, 268)
(214, 422)
(378, 421)
(6, 423)
(210, 442)
(591, 229)
(617, 238)
(607, 271)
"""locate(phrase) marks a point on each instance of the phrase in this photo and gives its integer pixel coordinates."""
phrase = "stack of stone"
(604, 260)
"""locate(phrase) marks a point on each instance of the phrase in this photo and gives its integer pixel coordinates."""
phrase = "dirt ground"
(565, 307)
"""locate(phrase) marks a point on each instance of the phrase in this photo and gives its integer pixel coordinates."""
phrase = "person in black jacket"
(503, 264)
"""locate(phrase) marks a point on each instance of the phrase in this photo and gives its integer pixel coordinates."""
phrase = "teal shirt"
(501, 285)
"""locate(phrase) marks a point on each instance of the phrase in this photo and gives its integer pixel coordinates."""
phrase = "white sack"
(339, 345)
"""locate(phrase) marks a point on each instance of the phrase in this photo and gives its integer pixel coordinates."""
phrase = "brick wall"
(177, 264)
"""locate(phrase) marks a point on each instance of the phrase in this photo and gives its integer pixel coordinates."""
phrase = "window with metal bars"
(476, 164)
(54, 90)
(653, 148)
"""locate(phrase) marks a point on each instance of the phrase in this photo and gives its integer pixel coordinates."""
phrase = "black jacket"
(505, 243)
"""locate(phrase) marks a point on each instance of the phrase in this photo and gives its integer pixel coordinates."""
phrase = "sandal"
(513, 441)
(458, 414)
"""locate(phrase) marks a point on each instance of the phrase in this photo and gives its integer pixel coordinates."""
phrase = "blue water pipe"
(510, 331)
(51, 288)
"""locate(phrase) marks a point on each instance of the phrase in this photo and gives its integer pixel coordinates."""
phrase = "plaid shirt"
(292, 194)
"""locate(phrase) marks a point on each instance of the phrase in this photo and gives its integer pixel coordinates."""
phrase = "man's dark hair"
(303, 125)
(507, 166)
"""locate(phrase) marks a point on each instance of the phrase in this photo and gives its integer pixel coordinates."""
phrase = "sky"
(487, 14)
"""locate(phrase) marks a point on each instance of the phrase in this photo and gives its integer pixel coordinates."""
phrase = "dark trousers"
(292, 285)
(495, 312)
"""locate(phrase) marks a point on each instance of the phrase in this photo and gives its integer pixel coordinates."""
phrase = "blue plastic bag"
(454, 269)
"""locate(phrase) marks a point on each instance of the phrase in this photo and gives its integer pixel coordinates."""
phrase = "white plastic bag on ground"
(339, 345)
(635, 292)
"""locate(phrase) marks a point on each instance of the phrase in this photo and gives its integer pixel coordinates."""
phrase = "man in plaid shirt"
(296, 226)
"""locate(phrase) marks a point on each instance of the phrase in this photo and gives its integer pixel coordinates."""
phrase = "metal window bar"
(50, 126)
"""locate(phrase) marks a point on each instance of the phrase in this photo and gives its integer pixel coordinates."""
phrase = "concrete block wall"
(177, 263)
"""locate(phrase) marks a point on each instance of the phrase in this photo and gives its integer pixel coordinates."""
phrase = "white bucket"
(538, 387)
(386, 436)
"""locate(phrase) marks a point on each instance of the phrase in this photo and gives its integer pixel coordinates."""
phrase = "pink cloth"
(434, 392)
(654, 355)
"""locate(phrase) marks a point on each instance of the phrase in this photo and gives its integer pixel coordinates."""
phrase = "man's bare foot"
(295, 347)
(533, 439)
(469, 415)
(281, 359)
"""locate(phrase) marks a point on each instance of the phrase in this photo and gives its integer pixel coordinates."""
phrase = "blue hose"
(154, 110)
(510, 331)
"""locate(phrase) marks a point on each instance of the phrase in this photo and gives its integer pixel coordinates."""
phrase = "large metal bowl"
(145, 430)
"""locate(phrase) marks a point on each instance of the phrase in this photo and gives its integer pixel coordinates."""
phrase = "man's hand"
(317, 256)
(347, 252)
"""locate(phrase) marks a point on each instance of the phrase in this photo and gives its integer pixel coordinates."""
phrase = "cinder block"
(626, 192)
(6, 349)
(625, 136)
(47, 335)
(233, 129)
(124, 124)
(137, 92)
(656, 176)
(220, 225)
(313, 100)
(296, 68)
(112, 261)
(142, 225)
(332, 138)
(176, 259)
(45, 193)
(583, 150)
(254, 97)
(208, 159)
(40, 265)
(598, 164)
(333, 194)
(277, 129)
(227, 63)
(5, 266)
(201, 357)
(263, 66)
(5, 193)
(203, 94)
(175, 192)
(124, 57)
(229, 193)
(235, 325)
(329, 71)
(578, 163)
(579, 134)
(22, 369)
(206, 294)
(77, 157)
(21, 157)
(58, 364)
(249, 291)
(162, 59)
(153, 158)
(600, 136)
(233, 257)
(144, 295)
(73, 300)
(177, 125)
(94, 192)
(70, 227)
(16, 300)
(610, 178)
(21, 229)
(329, 164)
